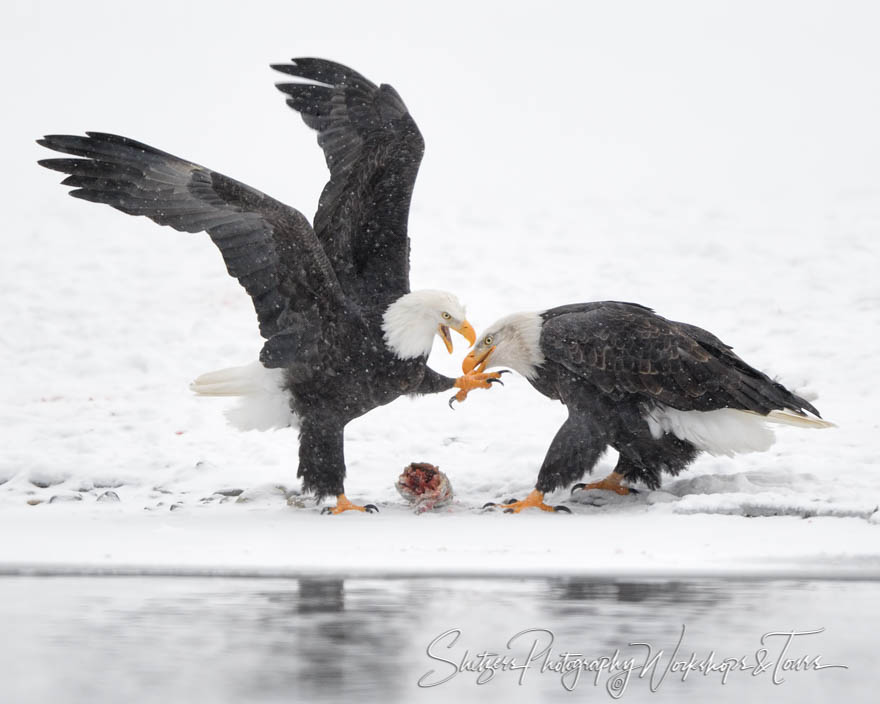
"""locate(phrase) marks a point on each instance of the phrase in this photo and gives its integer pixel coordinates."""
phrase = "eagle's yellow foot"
(475, 380)
(533, 500)
(343, 504)
(610, 483)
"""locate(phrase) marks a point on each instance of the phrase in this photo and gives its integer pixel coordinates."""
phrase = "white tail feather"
(264, 403)
(726, 431)
(790, 418)
(721, 432)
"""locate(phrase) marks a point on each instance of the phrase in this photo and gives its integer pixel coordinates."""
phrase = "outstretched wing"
(269, 247)
(373, 149)
(627, 349)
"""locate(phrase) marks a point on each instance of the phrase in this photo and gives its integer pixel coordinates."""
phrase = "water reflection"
(287, 640)
(319, 596)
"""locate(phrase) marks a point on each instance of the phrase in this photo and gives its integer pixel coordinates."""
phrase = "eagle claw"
(580, 486)
(492, 504)
(343, 504)
(508, 503)
(562, 509)
(474, 380)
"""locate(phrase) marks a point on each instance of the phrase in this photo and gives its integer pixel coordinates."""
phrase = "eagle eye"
(488, 340)
(446, 316)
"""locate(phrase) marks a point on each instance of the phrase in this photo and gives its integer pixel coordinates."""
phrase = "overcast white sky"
(524, 106)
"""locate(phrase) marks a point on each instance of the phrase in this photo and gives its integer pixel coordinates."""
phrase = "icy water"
(217, 639)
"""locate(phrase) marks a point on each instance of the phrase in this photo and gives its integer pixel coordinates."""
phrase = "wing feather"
(373, 149)
(626, 349)
(269, 247)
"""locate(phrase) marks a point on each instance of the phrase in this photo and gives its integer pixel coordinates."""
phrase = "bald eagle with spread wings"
(657, 391)
(343, 332)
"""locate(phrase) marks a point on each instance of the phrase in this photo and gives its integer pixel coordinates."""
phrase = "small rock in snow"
(229, 492)
(59, 498)
(265, 492)
(107, 483)
(44, 480)
(109, 496)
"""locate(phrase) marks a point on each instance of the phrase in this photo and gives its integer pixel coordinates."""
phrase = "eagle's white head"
(513, 341)
(412, 321)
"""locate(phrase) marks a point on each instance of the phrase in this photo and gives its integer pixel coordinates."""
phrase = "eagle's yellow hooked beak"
(477, 362)
(466, 330)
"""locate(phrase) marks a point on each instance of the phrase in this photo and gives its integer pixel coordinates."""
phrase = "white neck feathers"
(520, 348)
(410, 323)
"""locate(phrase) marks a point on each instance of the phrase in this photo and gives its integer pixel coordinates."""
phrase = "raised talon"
(474, 380)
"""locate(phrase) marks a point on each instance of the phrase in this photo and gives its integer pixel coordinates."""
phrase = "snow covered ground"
(723, 170)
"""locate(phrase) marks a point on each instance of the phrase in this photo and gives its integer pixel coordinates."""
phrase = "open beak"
(477, 362)
(465, 330)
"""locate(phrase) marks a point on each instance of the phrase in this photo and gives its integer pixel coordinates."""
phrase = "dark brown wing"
(373, 149)
(625, 349)
(269, 247)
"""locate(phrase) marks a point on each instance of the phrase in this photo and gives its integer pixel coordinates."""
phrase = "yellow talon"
(610, 483)
(343, 504)
(468, 382)
(533, 500)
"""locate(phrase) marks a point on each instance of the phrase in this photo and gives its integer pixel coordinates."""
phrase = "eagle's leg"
(575, 449)
(646, 459)
(322, 464)
(610, 483)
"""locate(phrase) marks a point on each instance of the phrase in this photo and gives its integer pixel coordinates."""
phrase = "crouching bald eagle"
(343, 332)
(657, 391)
